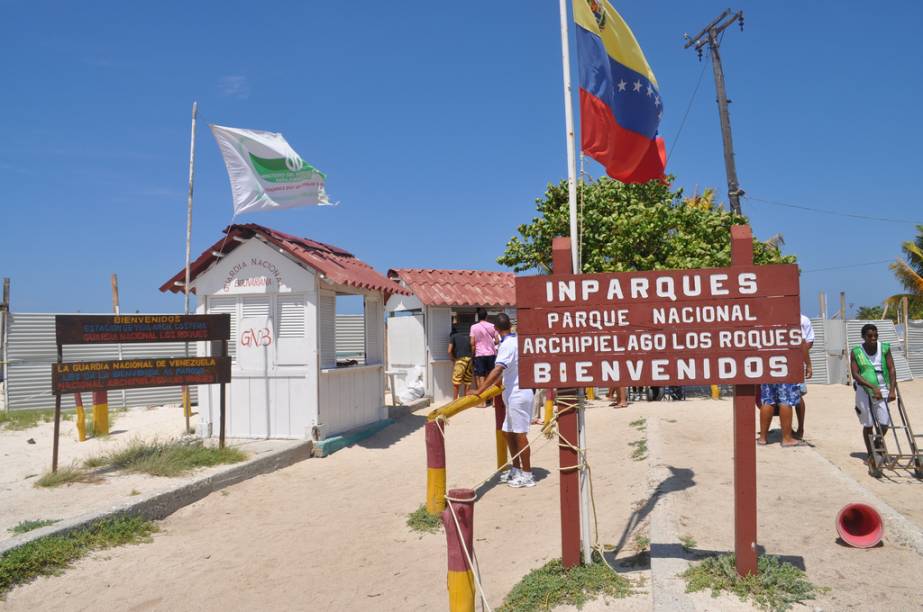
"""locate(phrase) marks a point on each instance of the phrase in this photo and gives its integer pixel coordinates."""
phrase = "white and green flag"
(265, 171)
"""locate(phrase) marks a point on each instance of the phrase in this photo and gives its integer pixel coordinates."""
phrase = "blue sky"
(437, 123)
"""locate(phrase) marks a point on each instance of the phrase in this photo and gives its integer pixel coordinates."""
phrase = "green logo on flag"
(283, 169)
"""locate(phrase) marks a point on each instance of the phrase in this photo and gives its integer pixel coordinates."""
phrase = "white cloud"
(234, 86)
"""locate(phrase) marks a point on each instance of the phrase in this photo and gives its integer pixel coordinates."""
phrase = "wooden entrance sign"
(140, 372)
(738, 325)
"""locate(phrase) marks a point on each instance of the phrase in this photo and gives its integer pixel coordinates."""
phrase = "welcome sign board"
(737, 325)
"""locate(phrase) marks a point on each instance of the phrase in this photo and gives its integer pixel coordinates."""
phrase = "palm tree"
(909, 272)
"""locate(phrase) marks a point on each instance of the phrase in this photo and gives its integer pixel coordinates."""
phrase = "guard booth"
(281, 293)
(419, 324)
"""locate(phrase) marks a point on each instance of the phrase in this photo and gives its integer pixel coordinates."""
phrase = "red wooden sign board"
(670, 327)
(638, 328)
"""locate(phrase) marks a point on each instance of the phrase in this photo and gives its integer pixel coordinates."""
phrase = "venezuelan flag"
(620, 105)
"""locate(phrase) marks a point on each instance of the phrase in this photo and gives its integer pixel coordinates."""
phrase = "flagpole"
(577, 268)
(571, 147)
(187, 401)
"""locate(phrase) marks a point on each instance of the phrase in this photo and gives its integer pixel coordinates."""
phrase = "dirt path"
(330, 535)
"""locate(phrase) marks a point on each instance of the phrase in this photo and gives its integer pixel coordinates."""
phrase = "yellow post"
(715, 392)
(187, 405)
(81, 418)
(100, 413)
(591, 393)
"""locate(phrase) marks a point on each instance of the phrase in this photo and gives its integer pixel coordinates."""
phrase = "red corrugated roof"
(459, 287)
(338, 265)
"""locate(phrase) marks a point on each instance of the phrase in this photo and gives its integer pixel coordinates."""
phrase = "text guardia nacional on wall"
(736, 325)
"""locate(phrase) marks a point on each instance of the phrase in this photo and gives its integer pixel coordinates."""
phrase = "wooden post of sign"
(224, 353)
(744, 438)
(567, 457)
(57, 418)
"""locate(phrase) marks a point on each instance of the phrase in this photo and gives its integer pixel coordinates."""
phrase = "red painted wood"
(767, 311)
(567, 428)
(435, 446)
(464, 511)
(593, 371)
(771, 280)
(722, 338)
(744, 439)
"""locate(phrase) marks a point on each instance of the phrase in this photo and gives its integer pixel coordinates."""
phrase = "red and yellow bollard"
(499, 417)
(81, 418)
(435, 446)
(100, 413)
(460, 544)
(435, 468)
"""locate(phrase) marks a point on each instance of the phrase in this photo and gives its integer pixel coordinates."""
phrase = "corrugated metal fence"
(915, 348)
(350, 336)
(31, 350)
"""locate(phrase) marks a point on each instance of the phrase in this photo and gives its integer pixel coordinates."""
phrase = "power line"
(858, 265)
(833, 212)
(682, 123)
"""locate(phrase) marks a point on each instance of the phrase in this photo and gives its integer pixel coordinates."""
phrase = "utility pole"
(709, 37)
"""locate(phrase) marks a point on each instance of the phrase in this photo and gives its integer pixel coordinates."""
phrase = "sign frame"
(72, 329)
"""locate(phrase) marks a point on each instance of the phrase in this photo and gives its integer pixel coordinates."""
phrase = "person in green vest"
(874, 378)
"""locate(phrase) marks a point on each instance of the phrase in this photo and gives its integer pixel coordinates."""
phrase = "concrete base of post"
(460, 546)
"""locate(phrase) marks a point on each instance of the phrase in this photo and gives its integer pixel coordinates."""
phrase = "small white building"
(281, 292)
(419, 324)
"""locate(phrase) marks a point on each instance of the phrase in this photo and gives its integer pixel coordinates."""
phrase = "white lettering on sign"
(691, 285)
(737, 325)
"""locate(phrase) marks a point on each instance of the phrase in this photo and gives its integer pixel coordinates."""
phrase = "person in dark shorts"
(460, 352)
(782, 397)
(484, 340)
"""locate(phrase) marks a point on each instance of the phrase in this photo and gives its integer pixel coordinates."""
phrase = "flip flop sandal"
(799, 443)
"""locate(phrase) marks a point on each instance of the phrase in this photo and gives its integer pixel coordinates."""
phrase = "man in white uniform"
(807, 341)
(518, 405)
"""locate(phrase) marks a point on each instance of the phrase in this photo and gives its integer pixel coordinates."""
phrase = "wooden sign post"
(568, 458)
(738, 325)
(744, 443)
(74, 377)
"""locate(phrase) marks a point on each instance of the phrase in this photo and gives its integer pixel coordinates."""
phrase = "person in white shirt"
(518, 405)
(807, 341)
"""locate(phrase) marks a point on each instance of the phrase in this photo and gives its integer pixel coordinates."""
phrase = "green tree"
(872, 312)
(633, 227)
(909, 272)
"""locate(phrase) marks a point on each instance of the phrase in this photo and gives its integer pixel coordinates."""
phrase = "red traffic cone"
(859, 525)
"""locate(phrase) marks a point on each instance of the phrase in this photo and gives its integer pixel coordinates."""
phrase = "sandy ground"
(23, 462)
(797, 500)
(330, 535)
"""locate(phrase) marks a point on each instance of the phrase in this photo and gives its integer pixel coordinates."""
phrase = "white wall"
(439, 372)
(274, 396)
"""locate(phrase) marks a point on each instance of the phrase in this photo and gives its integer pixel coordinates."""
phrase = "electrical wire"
(858, 265)
(682, 123)
(832, 212)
